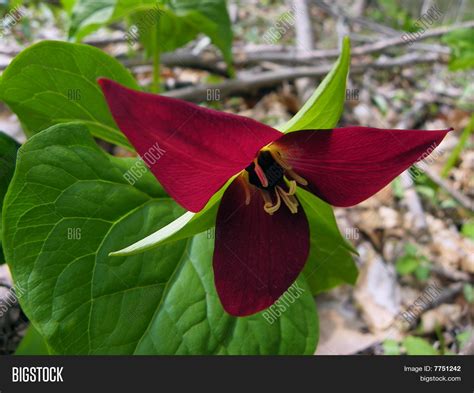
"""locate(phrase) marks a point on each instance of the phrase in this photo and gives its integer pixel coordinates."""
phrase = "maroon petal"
(345, 166)
(191, 150)
(257, 256)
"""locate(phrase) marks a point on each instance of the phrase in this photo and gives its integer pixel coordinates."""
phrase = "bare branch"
(249, 82)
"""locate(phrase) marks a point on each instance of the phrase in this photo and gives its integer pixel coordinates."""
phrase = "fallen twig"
(452, 275)
(206, 61)
(291, 55)
(446, 296)
(419, 226)
(249, 82)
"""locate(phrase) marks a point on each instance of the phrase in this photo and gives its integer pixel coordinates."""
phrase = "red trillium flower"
(262, 234)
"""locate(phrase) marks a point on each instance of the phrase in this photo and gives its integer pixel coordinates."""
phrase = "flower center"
(264, 172)
(275, 180)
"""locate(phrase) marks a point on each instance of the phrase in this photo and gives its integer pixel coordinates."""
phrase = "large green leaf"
(176, 21)
(87, 16)
(56, 82)
(330, 261)
(211, 18)
(32, 344)
(170, 32)
(8, 149)
(68, 206)
(188, 224)
(324, 108)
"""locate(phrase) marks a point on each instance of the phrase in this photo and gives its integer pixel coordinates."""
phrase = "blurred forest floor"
(415, 238)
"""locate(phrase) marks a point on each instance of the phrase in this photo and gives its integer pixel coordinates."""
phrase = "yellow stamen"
(266, 197)
(291, 187)
(289, 177)
(291, 173)
(290, 200)
(280, 161)
(245, 181)
(277, 157)
(269, 206)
